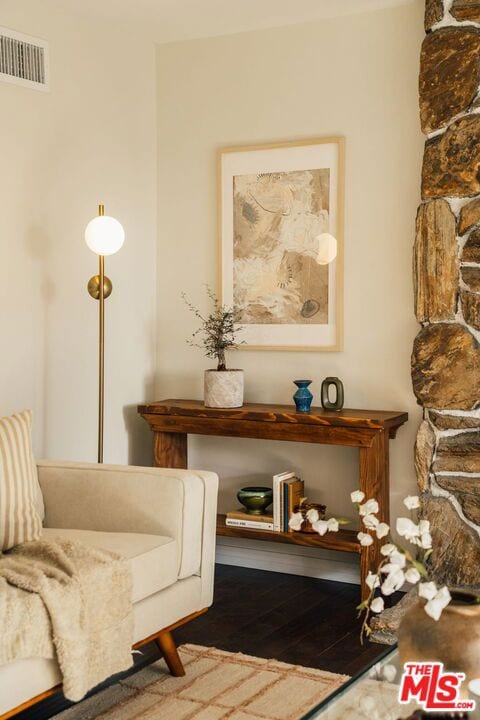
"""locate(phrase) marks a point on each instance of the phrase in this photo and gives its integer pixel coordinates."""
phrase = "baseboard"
(291, 559)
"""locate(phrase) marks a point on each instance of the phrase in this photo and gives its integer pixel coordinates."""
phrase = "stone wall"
(446, 268)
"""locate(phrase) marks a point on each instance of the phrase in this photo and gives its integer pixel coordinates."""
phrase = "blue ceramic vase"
(303, 397)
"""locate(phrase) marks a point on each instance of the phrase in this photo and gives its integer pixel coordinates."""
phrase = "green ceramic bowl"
(255, 499)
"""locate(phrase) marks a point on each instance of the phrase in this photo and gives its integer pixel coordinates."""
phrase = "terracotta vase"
(453, 640)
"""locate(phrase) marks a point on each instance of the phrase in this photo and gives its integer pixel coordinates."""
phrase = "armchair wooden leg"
(167, 646)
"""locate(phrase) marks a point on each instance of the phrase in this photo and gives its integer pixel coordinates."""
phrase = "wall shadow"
(140, 437)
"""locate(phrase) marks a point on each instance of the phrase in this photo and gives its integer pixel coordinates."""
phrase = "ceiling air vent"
(23, 60)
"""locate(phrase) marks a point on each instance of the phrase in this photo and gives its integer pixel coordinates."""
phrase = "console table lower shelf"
(368, 430)
(345, 540)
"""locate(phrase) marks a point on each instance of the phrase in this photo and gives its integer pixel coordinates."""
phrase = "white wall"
(91, 139)
(353, 76)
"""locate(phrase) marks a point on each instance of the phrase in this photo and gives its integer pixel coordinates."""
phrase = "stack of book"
(242, 519)
(288, 490)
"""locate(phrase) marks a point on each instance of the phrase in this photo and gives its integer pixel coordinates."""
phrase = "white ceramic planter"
(223, 388)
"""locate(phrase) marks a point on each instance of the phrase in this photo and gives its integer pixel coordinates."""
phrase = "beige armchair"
(163, 521)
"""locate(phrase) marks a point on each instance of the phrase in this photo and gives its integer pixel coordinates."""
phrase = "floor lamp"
(104, 236)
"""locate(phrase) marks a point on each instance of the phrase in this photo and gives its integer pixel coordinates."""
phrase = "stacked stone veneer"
(446, 352)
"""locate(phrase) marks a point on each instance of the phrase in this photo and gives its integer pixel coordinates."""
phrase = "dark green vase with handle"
(326, 384)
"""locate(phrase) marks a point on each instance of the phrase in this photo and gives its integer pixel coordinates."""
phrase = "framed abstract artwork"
(281, 243)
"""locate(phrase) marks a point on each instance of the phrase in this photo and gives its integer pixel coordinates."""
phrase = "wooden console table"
(369, 430)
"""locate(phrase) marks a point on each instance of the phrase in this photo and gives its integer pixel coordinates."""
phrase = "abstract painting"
(276, 220)
(276, 205)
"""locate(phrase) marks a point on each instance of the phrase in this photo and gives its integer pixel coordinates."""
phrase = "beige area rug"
(218, 686)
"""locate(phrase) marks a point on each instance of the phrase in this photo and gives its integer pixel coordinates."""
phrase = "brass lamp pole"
(104, 236)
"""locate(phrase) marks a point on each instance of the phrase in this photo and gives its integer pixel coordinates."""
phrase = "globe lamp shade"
(327, 249)
(104, 235)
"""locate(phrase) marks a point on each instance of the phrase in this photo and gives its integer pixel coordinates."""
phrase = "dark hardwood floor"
(299, 620)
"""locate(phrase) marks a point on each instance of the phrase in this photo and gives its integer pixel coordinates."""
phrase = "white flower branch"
(399, 564)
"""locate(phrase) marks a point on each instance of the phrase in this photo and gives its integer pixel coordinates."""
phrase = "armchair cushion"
(153, 558)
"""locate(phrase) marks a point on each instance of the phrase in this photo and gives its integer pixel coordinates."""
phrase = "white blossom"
(407, 528)
(312, 515)
(437, 604)
(377, 605)
(412, 502)
(320, 526)
(370, 521)
(389, 673)
(396, 562)
(296, 521)
(365, 539)
(426, 541)
(387, 588)
(424, 526)
(368, 508)
(427, 590)
(387, 549)
(398, 558)
(434, 609)
(372, 580)
(382, 530)
(412, 576)
(390, 568)
(393, 582)
(444, 595)
(332, 525)
(357, 496)
(474, 686)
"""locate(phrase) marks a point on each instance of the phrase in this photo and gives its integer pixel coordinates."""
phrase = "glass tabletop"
(370, 695)
(373, 695)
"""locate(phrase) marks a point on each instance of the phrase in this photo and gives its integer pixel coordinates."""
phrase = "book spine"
(276, 503)
(280, 503)
(252, 524)
(248, 516)
(296, 492)
(278, 480)
(286, 493)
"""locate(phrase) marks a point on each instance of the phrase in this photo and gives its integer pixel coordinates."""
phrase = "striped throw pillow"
(19, 518)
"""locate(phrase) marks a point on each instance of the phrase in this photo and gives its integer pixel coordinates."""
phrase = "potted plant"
(223, 387)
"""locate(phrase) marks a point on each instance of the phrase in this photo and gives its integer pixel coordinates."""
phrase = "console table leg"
(170, 450)
(374, 483)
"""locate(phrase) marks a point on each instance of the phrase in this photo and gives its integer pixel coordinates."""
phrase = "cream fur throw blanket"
(70, 602)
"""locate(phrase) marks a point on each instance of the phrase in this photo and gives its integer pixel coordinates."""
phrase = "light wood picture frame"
(279, 204)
